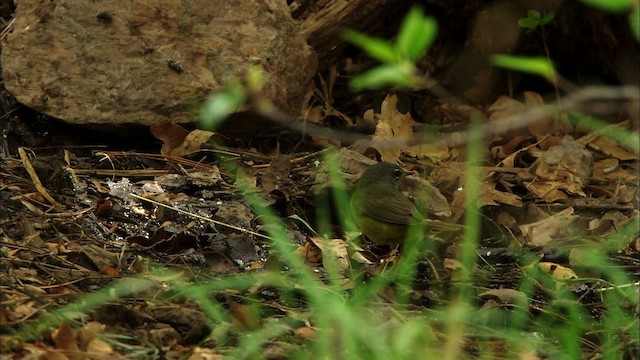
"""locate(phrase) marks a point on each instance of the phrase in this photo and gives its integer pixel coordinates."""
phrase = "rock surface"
(149, 61)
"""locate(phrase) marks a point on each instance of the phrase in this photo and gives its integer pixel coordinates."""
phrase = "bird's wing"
(392, 209)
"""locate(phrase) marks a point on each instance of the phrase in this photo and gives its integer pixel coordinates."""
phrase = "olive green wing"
(390, 208)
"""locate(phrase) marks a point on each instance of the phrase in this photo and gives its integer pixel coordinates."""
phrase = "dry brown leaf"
(611, 219)
(507, 220)
(563, 168)
(199, 353)
(532, 99)
(504, 151)
(603, 168)
(354, 163)
(510, 160)
(393, 130)
(177, 141)
(164, 335)
(612, 148)
(492, 196)
(100, 349)
(65, 339)
(247, 317)
(24, 310)
(549, 125)
(305, 332)
(358, 257)
(451, 264)
(30, 236)
(611, 169)
(37, 351)
(457, 205)
(311, 254)
(57, 355)
(505, 107)
(434, 152)
(548, 190)
(334, 253)
(88, 332)
(542, 232)
(448, 177)
(171, 135)
(192, 143)
(93, 257)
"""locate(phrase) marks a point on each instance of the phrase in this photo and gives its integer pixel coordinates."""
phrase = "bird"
(382, 212)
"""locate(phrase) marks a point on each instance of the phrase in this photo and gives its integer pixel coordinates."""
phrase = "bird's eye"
(398, 173)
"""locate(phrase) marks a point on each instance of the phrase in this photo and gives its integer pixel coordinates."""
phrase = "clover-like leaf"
(378, 48)
(548, 16)
(528, 23)
(534, 14)
(416, 35)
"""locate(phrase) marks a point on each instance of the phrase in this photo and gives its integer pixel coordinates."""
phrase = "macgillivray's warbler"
(383, 213)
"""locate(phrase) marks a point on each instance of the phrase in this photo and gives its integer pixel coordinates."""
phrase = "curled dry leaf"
(394, 130)
(178, 141)
(611, 220)
(436, 152)
(505, 107)
(542, 232)
(492, 196)
(311, 254)
(171, 135)
(564, 168)
(65, 339)
(334, 253)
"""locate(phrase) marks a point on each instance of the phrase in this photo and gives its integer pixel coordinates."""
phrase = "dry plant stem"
(36, 180)
(577, 101)
(200, 217)
(7, 29)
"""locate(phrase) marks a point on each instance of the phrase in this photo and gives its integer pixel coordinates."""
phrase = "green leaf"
(528, 23)
(610, 5)
(534, 65)
(220, 105)
(548, 16)
(634, 20)
(378, 48)
(416, 34)
(384, 75)
(534, 14)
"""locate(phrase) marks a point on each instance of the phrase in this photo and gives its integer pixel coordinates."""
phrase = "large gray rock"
(149, 61)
